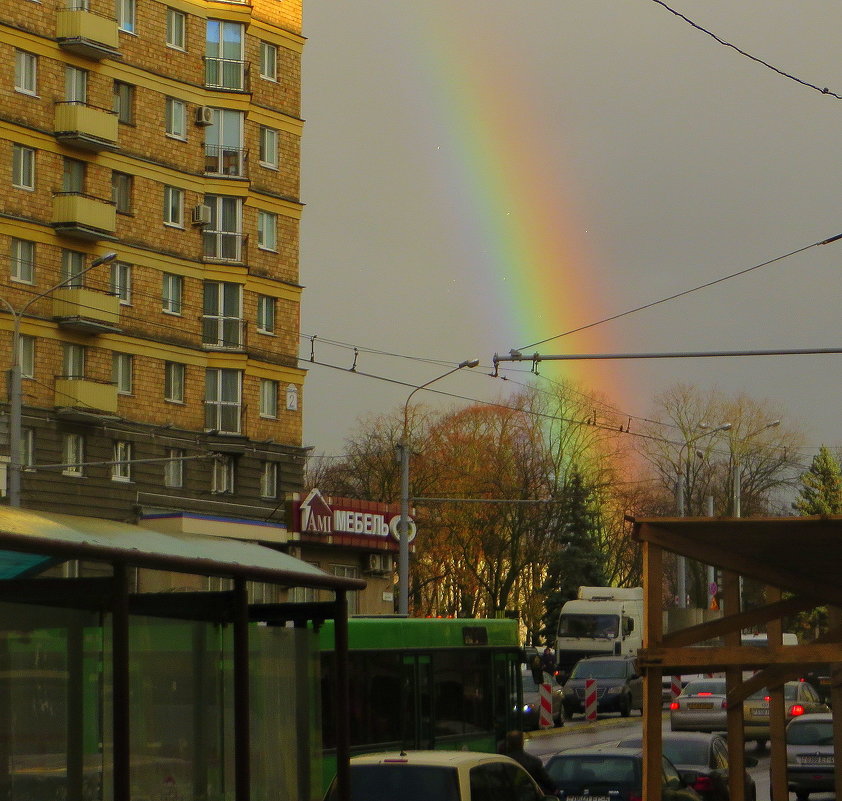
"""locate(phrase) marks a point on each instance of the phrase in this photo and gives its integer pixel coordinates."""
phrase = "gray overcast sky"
(481, 175)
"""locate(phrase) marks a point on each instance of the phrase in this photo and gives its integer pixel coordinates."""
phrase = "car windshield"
(711, 687)
(599, 669)
(810, 732)
(387, 782)
(618, 771)
(588, 626)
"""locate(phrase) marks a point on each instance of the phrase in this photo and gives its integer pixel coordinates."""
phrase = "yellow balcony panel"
(86, 127)
(81, 393)
(86, 310)
(84, 217)
(87, 34)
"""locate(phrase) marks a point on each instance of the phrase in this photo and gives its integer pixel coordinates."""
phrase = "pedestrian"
(548, 661)
(533, 766)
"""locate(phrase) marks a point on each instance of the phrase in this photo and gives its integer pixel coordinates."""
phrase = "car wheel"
(625, 706)
(802, 795)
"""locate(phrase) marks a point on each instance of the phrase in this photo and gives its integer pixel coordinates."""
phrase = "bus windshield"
(598, 626)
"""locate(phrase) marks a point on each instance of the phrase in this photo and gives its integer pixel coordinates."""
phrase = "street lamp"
(15, 390)
(403, 446)
(680, 503)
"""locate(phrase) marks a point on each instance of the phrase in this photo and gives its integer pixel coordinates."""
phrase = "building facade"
(163, 379)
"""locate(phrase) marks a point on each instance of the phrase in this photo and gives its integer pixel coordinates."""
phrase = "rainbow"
(515, 205)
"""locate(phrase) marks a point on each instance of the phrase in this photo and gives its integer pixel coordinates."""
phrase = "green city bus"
(443, 683)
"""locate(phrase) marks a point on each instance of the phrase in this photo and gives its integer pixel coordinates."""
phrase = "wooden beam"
(653, 582)
(716, 658)
(733, 678)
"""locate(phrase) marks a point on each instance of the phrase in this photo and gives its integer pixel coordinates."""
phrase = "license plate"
(588, 798)
(816, 759)
(698, 705)
(760, 712)
(825, 680)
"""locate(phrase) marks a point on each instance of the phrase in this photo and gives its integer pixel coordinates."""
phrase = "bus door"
(507, 693)
(416, 701)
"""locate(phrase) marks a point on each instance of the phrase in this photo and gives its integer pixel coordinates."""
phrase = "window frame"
(175, 374)
(269, 480)
(73, 361)
(26, 355)
(73, 454)
(21, 265)
(218, 243)
(75, 84)
(175, 125)
(267, 230)
(268, 61)
(122, 369)
(179, 40)
(122, 190)
(71, 271)
(23, 167)
(120, 282)
(121, 468)
(124, 102)
(223, 475)
(26, 72)
(174, 468)
(268, 398)
(268, 147)
(126, 12)
(217, 322)
(174, 212)
(217, 402)
(170, 281)
(266, 314)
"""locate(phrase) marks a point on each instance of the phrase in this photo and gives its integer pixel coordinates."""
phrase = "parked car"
(531, 709)
(702, 760)
(611, 773)
(809, 755)
(442, 775)
(701, 706)
(619, 687)
(800, 698)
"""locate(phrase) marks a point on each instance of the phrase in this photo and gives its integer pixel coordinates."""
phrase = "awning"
(30, 540)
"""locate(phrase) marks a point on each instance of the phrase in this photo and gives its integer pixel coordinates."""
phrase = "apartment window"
(268, 398)
(26, 72)
(268, 61)
(75, 85)
(292, 398)
(265, 314)
(73, 175)
(23, 167)
(22, 261)
(174, 382)
(27, 448)
(121, 372)
(26, 356)
(72, 454)
(222, 237)
(222, 323)
(223, 399)
(171, 293)
(126, 12)
(224, 143)
(224, 64)
(269, 147)
(124, 102)
(72, 265)
(267, 230)
(121, 191)
(174, 468)
(121, 281)
(176, 27)
(269, 480)
(348, 571)
(176, 118)
(121, 469)
(222, 477)
(72, 360)
(173, 206)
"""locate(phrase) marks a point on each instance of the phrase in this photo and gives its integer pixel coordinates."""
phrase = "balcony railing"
(225, 160)
(222, 332)
(222, 245)
(83, 393)
(225, 73)
(83, 216)
(86, 33)
(86, 127)
(86, 309)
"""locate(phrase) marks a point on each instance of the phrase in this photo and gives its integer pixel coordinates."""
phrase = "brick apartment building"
(163, 383)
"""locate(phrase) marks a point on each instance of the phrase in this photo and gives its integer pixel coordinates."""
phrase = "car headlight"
(527, 708)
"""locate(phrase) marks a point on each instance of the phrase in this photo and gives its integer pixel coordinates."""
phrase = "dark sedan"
(702, 761)
(618, 686)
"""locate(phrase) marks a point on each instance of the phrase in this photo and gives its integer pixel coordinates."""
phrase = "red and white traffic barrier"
(545, 718)
(675, 687)
(590, 700)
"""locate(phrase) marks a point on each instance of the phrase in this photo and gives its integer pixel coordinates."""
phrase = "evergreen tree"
(576, 560)
(821, 486)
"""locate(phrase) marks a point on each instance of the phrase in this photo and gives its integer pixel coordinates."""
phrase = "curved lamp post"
(681, 508)
(403, 446)
(15, 400)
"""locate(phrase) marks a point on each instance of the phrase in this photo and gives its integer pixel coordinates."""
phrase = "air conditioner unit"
(201, 215)
(380, 564)
(204, 115)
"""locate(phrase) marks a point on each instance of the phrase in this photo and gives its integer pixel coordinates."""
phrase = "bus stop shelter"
(798, 559)
(109, 693)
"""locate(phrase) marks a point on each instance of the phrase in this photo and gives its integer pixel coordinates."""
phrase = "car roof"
(687, 736)
(435, 758)
(600, 752)
(812, 717)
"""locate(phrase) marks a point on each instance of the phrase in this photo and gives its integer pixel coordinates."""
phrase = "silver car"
(701, 706)
(809, 755)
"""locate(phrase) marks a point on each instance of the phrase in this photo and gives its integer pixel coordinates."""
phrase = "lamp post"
(681, 506)
(403, 447)
(15, 390)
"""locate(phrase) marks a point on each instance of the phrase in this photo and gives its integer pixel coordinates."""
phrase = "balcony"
(82, 393)
(86, 310)
(225, 160)
(225, 73)
(84, 217)
(87, 34)
(222, 245)
(226, 333)
(86, 127)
